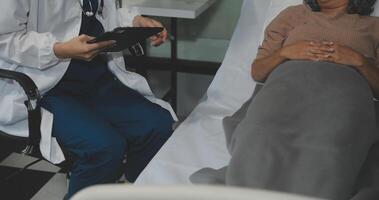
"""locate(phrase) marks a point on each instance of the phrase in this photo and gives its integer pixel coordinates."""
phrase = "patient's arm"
(303, 50)
(370, 71)
(268, 56)
(261, 68)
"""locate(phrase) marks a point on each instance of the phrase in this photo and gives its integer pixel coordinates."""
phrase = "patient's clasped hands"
(323, 51)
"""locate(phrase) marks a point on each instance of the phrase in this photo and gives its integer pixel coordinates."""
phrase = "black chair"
(29, 145)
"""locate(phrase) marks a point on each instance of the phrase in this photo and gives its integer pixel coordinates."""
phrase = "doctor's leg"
(97, 147)
(146, 126)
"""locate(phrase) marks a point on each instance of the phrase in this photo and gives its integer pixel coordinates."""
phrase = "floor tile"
(55, 189)
(22, 186)
(20, 161)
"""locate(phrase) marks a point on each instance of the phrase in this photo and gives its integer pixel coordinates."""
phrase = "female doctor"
(94, 108)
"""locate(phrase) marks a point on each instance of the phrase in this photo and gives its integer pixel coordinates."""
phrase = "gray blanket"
(307, 131)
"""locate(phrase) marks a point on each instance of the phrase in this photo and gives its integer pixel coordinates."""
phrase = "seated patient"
(310, 127)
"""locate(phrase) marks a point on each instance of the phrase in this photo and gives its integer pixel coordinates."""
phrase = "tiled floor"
(55, 189)
(41, 182)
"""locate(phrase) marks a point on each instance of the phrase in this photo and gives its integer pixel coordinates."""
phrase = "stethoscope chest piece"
(91, 13)
(88, 13)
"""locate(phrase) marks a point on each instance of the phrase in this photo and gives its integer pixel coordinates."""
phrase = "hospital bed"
(199, 142)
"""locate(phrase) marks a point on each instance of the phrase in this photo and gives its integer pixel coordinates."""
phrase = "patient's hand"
(305, 50)
(343, 55)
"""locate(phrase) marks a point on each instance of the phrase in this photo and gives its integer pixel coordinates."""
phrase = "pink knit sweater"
(298, 23)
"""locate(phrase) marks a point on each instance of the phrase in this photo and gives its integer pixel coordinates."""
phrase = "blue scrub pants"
(103, 125)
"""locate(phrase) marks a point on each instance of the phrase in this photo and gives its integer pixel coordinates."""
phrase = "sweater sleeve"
(375, 35)
(377, 55)
(277, 31)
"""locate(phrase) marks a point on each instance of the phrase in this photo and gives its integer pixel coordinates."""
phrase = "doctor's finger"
(156, 43)
(85, 38)
(164, 33)
(159, 38)
(156, 23)
(149, 23)
(101, 45)
(90, 55)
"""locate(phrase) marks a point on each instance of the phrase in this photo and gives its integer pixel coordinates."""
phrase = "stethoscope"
(91, 12)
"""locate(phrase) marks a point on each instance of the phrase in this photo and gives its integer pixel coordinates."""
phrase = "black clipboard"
(126, 37)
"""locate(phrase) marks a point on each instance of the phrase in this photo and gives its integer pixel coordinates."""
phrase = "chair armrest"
(32, 104)
(25, 82)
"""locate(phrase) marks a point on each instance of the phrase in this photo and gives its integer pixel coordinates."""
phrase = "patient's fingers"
(319, 55)
(322, 44)
(314, 43)
(327, 49)
(327, 43)
(321, 48)
(316, 51)
(326, 58)
(321, 51)
(312, 57)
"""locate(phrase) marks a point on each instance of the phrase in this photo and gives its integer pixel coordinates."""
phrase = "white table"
(174, 9)
(188, 9)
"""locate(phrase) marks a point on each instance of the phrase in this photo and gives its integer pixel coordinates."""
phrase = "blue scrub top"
(81, 76)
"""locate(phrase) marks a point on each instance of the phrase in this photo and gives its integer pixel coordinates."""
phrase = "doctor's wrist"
(59, 50)
(137, 21)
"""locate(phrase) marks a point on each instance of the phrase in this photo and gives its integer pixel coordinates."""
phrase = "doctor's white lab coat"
(28, 31)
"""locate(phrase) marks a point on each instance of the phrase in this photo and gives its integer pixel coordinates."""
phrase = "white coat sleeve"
(22, 47)
(126, 16)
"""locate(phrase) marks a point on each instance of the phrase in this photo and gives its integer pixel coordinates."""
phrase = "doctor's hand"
(156, 40)
(78, 48)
